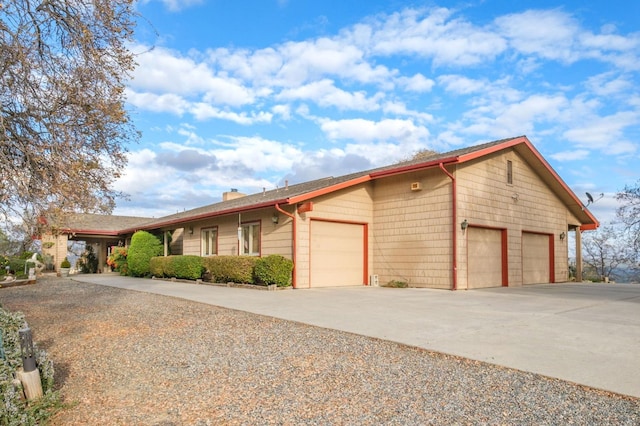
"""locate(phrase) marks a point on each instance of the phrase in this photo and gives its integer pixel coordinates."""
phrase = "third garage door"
(337, 254)
(485, 257)
(536, 255)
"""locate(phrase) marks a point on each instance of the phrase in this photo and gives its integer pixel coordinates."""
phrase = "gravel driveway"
(125, 358)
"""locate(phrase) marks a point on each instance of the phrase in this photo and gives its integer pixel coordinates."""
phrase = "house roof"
(293, 194)
(99, 224)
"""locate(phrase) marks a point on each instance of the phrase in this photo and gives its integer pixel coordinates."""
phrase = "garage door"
(337, 254)
(535, 258)
(484, 254)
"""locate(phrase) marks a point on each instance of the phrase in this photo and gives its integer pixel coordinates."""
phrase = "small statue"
(39, 265)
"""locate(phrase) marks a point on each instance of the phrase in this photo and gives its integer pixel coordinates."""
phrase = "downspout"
(293, 243)
(454, 228)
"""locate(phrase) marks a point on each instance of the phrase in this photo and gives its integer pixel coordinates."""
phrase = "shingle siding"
(485, 198)
(412, 229)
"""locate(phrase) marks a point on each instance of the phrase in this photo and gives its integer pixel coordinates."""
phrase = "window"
(209, 241)
(509, 172)
(250, 239)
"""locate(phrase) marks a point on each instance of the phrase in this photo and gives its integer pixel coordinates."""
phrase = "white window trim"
(248, 227)
(203, 232)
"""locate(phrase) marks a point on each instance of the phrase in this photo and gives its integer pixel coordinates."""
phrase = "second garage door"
(485, 257)
(536, 255)
(337, 254)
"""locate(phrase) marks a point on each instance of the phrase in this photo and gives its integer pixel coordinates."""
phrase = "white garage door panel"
(535, 258)
(337, 254)
(485, 257)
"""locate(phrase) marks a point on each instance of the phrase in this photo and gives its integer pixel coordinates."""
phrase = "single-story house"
(495, 214)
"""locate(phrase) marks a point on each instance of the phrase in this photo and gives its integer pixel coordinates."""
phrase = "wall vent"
(416, 186)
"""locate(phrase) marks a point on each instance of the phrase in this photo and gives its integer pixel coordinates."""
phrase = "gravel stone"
(125, 358)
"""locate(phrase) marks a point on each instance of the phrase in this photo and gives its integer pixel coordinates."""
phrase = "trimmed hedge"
(274, 269)
(143, 247)
(156, 266)
(236, 269)
(187, 267)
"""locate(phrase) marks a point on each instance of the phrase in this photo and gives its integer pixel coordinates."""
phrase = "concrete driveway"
(584, 333)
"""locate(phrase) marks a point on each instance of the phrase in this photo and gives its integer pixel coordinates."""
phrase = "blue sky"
(248, 94)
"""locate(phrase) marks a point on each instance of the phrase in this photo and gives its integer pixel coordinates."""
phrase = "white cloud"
(461, 85)
(399, 108)
(434, 34)
(605, 133)
(417, 83)
(556, 35)
(325, 94)
(161, 70)
(607, 84)
(167, 102)
(578, 154)
(177, 5)
(550, 34)
(256, 154)
(499, 119)
(138, 177)
(367, 130)
(282, 110)
(204, 111)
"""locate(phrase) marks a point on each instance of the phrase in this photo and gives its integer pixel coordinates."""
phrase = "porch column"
(166, 244)
(101, 254)
(578, 255)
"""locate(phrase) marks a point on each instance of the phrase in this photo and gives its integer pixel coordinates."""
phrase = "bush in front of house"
(188, 267)
(236, 269)
(88, 262)
(117, 260)
(13, 409)
(156, 266)
(274, 269)
(143, 247)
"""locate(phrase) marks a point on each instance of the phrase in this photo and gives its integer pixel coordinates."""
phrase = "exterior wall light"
(562, 236)
(275, 218)
(191, 230)
(464, 225)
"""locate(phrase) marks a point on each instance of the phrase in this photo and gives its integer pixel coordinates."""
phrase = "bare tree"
(629, 211)
(421, 154)
(607, 251)
(63, 123)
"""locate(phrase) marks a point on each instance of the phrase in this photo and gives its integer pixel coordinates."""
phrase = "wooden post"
(30, 383)
(578, 255)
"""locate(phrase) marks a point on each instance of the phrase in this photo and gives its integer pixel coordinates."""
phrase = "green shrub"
(13, 409)
(26, 255)
(396, 284)
(156, 266)
(187, 267)
(65, 263)
(274, 269)
(237, 269)
(143, 247)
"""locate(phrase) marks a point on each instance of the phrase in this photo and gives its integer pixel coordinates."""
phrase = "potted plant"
(65, 266)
